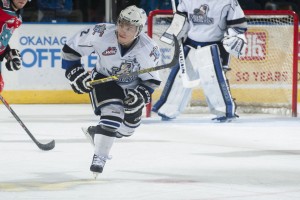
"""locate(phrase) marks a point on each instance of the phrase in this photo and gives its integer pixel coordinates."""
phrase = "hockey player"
(218, 25)
(121, 48)
(10, 19)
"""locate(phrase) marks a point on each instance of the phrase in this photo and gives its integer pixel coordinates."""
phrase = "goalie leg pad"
(214, 82)
(192, 75)
(167, 89)
(174, 97)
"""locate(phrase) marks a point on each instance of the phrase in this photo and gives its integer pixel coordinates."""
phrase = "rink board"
(41, 80)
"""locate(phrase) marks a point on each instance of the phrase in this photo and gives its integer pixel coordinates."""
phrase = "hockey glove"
(136, 99)
(179, 27)
(234, 42)
(13, 58)
(78, 78)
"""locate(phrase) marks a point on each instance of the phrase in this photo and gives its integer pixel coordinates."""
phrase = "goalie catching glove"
(136, 99)
(78, 78)
(13, 58)
(235, 42)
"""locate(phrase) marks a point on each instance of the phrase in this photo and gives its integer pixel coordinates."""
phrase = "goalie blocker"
(179, 27)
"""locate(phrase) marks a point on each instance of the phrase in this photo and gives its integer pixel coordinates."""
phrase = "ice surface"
(256, 157)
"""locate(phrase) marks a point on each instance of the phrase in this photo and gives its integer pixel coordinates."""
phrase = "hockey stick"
(182, 65)
(45, 147)
(147, 70)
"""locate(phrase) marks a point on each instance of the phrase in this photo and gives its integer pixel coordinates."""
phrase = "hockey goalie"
(211, 31)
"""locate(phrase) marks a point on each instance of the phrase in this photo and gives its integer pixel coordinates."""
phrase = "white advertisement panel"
(40, 46)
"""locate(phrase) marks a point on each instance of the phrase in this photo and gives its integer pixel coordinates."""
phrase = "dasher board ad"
(40, 46)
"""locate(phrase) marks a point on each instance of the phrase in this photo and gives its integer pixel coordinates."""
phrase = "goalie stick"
(182, 65)
(45, 147)
(147, 70)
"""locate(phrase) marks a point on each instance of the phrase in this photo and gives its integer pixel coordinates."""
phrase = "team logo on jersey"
(99, 29)
(155, 52)
(127, 66)
(200, 15)
(13, 23)
(109, 51)
(5, 35)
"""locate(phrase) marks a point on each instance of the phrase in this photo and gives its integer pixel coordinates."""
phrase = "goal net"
(264, 80)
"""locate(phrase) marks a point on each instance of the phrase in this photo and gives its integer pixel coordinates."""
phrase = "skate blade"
(95, 174)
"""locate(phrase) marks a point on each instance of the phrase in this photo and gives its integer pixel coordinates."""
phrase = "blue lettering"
(41, 57)
(63, 40)
(23, 54)
(39, 41)
(53, 56)
(30, 41)
(45, 58)
(55, 41)
(23, 40)
(47, 40)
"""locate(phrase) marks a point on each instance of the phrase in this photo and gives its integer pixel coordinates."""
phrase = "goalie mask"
(134, 16)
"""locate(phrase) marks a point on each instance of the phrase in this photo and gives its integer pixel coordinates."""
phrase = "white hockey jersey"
(102, 40)
(209, 19)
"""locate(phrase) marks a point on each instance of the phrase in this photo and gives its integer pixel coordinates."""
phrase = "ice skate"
(97, 165)
(165, 117)
(224, 119)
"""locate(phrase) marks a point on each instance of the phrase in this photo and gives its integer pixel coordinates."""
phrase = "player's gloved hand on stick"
(13, 58)
(78, 78)
(136, 99)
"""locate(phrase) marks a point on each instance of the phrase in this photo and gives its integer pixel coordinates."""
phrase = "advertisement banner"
(40, 46)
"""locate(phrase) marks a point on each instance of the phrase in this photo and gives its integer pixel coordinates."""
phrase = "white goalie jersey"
(101, 39)
(210, 25)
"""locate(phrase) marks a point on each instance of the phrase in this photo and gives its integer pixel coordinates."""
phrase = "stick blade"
(47, 146)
